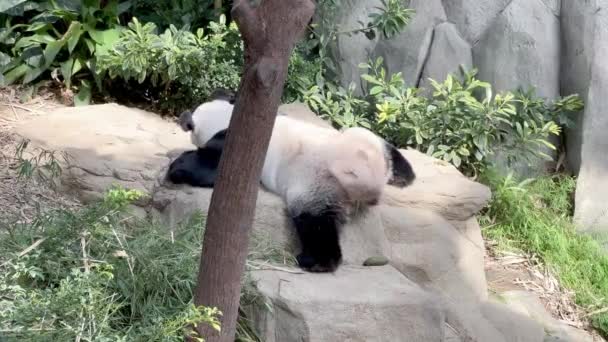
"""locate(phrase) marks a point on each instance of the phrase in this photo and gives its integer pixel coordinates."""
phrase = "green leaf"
(66, 71)
(106, 40)
(83, 97)
(74, 38)
(32, 74)
(15, 74)
(376, 90)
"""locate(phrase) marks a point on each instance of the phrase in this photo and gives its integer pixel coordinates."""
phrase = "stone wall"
(557, 47)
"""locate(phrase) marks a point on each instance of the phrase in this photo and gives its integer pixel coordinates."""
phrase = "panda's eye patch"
(189, 126)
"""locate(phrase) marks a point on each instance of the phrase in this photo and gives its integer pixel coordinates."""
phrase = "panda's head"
(209, 118)
(363, 163)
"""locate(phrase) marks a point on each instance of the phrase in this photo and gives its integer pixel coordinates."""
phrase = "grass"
(536, 216)
(96, 273)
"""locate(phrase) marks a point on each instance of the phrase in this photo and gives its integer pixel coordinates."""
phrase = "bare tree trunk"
(217, 4)
(269, 32)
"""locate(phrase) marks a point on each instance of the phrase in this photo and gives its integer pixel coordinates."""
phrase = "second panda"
(322, 174)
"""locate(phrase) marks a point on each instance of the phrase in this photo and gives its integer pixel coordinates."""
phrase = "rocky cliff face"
(557, 47)
(433, 289)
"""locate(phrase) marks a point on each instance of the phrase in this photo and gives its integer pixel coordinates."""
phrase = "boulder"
(473, 17)
(585, 27)
(448, 52)
(433, 288)
(354, 304)
(349, 50)
(521, 48)
(528, 304)
(408, 51)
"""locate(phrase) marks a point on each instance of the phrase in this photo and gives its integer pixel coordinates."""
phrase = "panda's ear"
(402, 173)
(185, 121)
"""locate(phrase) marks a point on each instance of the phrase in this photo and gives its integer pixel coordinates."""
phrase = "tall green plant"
(62, 39)
(462, 122)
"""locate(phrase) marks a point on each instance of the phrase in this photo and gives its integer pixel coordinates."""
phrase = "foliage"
(461, 122)
(535, 216)
(62, 38)
(98, 274)
(193, 13)
(183, 67)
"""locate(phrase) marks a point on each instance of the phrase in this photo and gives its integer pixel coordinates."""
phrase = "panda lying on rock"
(322, 174)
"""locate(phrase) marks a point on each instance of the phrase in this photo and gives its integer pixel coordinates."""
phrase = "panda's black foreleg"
(319, 239)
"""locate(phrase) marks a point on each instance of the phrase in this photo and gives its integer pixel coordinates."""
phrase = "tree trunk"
(217, 4)
(269, 32)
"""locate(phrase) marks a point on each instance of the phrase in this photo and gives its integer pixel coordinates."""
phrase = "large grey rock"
(528, 304)
(107, 145)
(521, 48)
(585, 27)
(577, 27)
(408, 51)
(355, 304)
(448, 52)
(349, 51)
(435, 280)
(472, 17)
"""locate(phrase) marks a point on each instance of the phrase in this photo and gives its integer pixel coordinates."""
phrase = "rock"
(585, 27)
(301, 111)
(348, 51)
(107, 144)
(433, 288)
(439, 187)
(521, 49)
(376, 261)
(408, 51)
(473, 17)
(355, 304)
(528, 304)
(448, 52)
(513, 326)
(429, 250)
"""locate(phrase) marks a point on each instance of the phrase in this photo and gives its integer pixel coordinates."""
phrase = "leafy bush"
(456, 123)
(193, 13)
(98, 274)
(180, 69)
(181, 66)
(535, 216)
(62, 38)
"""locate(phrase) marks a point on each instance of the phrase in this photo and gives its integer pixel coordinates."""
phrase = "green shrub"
(455, 123)
(535, 216)
(183, 67)
(60, 39)
(193, 13)
(97, 274)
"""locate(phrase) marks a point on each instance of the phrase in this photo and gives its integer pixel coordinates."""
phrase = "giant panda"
(323, 175)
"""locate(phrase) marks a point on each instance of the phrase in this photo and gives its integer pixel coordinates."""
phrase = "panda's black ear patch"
(401, 169)
(185, 121)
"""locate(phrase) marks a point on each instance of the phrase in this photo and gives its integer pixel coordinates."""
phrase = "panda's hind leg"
(319, 239)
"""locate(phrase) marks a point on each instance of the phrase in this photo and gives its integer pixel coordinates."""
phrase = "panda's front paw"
(318, 265)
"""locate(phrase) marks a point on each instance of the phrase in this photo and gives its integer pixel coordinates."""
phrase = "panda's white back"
(294, 155)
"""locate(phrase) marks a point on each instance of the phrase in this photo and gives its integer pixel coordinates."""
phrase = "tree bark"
(269, 32)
